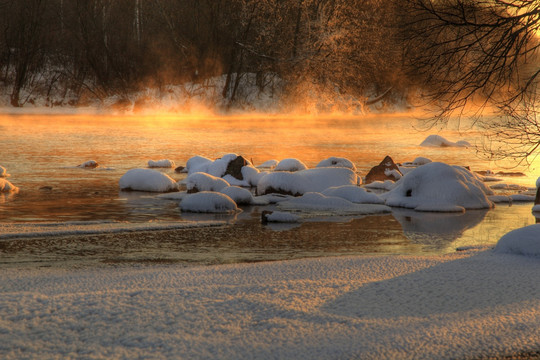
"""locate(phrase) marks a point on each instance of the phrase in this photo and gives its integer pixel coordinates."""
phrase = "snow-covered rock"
(439, 141)
(353, 194)
(536, 208)
(208, 202)
(90, 164)
(3, 172)
(269, 164)
(420, 160)
(290, 165)
(197, 164)
(201, 181)
(381, 185)
(163, 163)
(310, 180)
(317, 202)
(522, 198)
(280, 217)
(147, 180)
(7, 187)
(240, 195)
(337, 162)
(439, 187)
(522, 241)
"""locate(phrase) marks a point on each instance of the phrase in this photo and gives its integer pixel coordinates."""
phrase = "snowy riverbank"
(463, 305)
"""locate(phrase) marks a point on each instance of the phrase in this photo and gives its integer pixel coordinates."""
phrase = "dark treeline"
(96, 48)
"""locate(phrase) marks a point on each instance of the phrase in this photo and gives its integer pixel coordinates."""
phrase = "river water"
(41, 152)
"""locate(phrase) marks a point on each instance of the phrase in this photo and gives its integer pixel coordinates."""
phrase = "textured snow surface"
(147, 180)
(465, 305)
(522, 241)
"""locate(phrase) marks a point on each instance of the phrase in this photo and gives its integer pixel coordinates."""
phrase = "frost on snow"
(310, 180)
(523, 241)
(201, 181)
(147, 180)
(439, 141)
(290, 165)
(164, 163)
(353, 194)
(337, 162)
(439, 187)
(208, 202)
(7, 187)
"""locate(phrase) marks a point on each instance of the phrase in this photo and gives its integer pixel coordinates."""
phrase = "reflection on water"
(41, 154)
(436, 229)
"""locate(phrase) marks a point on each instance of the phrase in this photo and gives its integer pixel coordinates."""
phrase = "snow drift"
(439, 187)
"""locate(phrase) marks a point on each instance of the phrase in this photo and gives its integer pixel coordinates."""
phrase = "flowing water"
(41, 154)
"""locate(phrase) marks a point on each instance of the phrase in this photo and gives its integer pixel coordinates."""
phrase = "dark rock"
(46, 188)
(264, 216)
(537, 199)
(384, 171)
(234, 168)
(510, 173)
(193, 190)
(179, 169)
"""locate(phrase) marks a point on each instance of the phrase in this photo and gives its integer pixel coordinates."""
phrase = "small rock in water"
(180, 169)
(264, 216)
(46, 188)
(91, 164)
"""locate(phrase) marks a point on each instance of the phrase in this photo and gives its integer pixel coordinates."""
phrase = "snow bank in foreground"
(439, 141)
(311, 180)
(460, 306)
(316, 202)
(208, 202)
(147, 180)
(163, 163)
(439, 187)
(7, 187)
(523, 241)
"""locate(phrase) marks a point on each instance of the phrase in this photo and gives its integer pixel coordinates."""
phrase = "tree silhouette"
(483, 53)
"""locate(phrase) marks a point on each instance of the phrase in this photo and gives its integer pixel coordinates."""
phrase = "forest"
(87, 50)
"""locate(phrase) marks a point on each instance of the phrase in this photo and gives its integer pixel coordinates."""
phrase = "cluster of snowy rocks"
(334, 186)
(5, 185)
